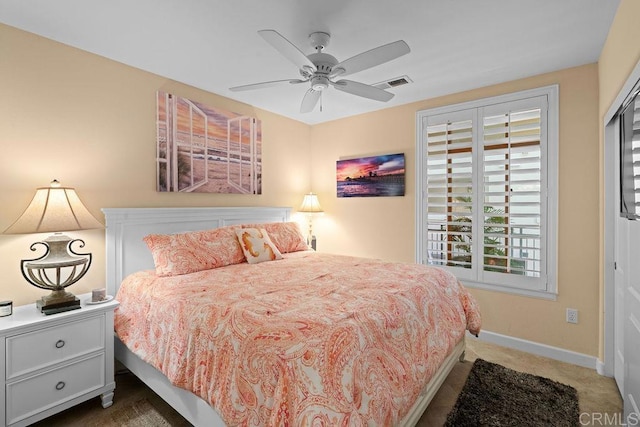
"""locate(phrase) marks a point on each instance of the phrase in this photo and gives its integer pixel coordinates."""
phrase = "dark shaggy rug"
(497, 396)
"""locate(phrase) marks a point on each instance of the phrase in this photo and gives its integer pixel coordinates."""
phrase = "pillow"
(285, 235)
(175, 254)
(257, 246)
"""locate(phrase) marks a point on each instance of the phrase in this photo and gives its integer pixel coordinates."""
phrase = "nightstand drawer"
(41, 392)
(46, 347)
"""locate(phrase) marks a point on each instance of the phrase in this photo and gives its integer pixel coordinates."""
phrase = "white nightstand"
(54, 362)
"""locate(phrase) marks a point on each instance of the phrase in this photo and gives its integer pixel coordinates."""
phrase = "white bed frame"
(126, 253)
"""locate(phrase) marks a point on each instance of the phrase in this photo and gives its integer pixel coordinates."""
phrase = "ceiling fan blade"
(371, 58)
(361, 89)
(287, 49)
(310, 100)
(265, 84)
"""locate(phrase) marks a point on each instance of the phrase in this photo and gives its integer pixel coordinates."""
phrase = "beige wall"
(384, 227)
(620, 54)
(90, 123)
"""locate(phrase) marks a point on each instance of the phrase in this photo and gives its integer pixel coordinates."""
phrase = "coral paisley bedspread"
(309, 340)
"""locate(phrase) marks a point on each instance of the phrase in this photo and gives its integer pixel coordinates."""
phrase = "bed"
(348, 356)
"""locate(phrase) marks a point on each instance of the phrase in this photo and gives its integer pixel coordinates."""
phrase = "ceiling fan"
(320, 69)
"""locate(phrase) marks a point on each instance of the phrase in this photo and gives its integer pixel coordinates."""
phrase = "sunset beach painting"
(371, 176)
(204, 149)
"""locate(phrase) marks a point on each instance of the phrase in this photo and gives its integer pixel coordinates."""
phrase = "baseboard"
(538, 349)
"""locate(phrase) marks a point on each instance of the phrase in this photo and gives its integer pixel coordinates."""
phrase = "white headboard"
(127, 253)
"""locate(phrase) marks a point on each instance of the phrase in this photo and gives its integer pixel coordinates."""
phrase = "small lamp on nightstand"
(55, 209)
(311, 206)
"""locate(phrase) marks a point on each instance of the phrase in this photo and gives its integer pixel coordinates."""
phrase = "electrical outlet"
(572, 315)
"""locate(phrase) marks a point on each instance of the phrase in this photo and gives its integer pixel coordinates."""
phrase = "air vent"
(395, 82)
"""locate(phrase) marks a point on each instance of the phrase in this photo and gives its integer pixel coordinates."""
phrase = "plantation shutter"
(487, 199)
(513, 193)
(449, 190)
(630, 166)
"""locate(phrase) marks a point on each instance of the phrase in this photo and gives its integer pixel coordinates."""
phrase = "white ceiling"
(455, 45)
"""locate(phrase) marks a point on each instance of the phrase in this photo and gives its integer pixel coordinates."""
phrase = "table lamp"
(55, 209)
(311, 206)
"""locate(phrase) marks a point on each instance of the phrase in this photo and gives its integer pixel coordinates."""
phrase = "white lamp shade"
(310, 204)
(54, 209)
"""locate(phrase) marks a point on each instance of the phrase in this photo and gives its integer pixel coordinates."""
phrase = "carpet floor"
(135, 405)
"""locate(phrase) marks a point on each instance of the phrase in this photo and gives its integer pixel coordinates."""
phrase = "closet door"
(632, 326)
(627, 260)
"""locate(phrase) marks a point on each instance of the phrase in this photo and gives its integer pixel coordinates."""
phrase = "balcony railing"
(524, 252)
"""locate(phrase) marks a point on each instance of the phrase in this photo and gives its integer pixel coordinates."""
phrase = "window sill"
(546, 295)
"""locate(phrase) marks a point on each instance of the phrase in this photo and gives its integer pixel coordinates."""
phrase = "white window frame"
(546, 286)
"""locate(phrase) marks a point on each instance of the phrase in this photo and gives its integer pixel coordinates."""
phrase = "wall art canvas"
(371, 176)
(204, 149)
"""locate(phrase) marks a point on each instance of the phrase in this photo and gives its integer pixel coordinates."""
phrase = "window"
(487, 207)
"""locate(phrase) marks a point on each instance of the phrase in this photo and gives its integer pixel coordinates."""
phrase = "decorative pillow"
(257, 246)
(175, 254)
(285, 235)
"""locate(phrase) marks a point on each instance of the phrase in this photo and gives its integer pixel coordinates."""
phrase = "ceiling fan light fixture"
(319, 83)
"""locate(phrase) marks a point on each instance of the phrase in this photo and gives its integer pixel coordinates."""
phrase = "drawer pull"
(60, 385)
(60, 343)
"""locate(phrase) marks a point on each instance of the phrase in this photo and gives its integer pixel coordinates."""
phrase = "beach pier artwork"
(372, 176)
(203, 149)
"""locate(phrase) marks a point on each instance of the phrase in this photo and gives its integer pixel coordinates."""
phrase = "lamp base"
(57, 302)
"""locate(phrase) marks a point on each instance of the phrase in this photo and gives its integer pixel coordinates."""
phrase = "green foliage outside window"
(494, 256)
